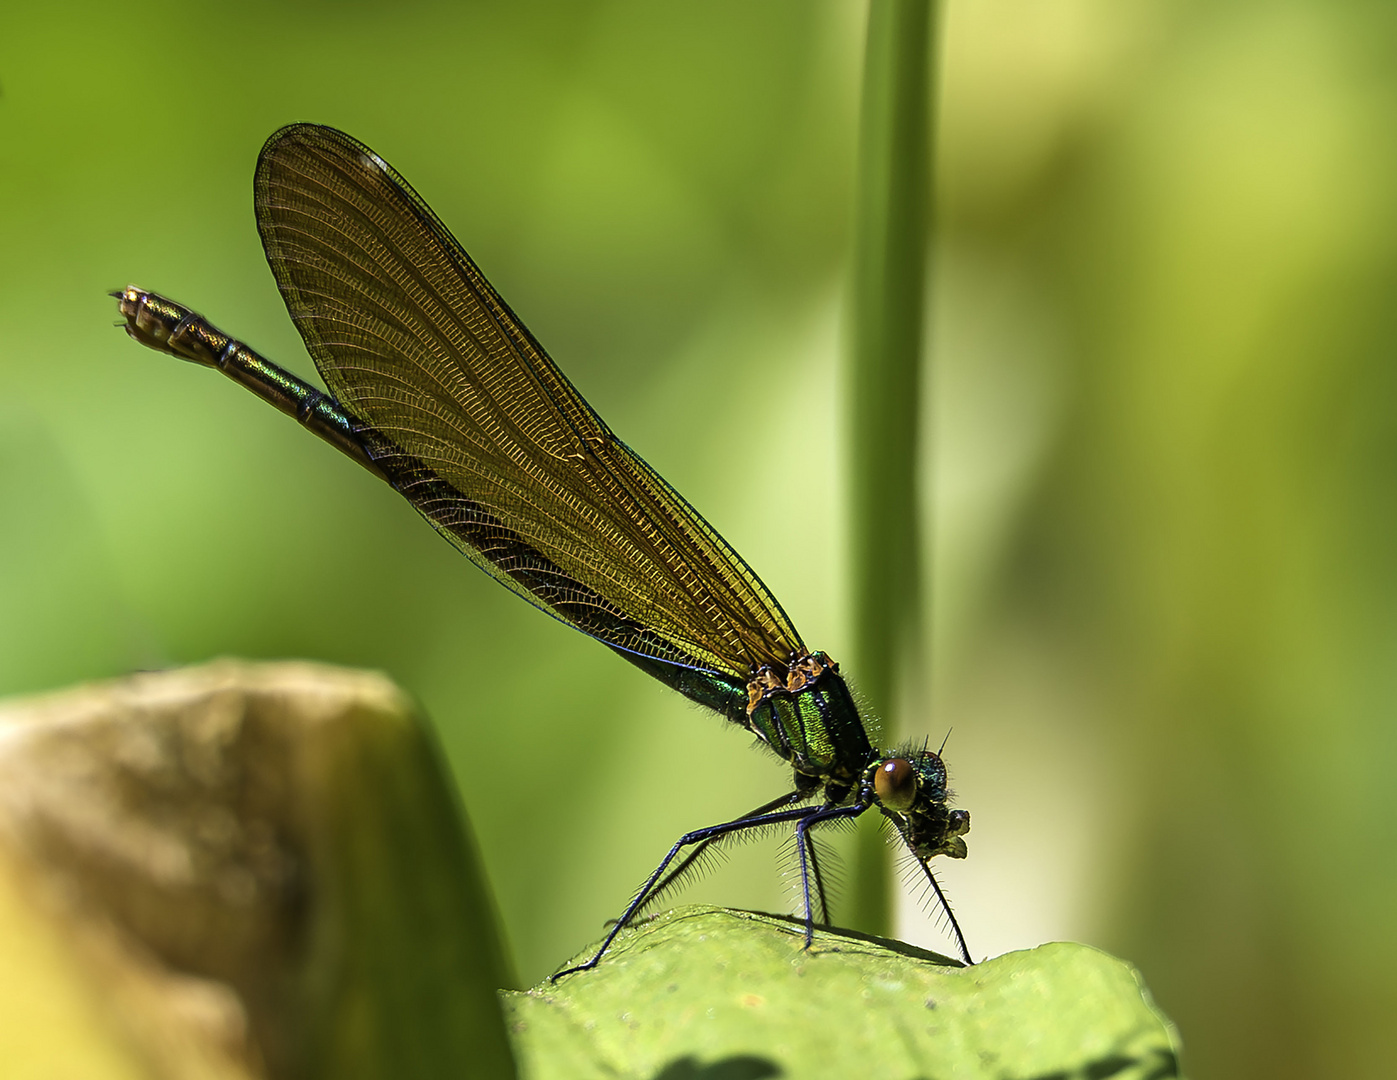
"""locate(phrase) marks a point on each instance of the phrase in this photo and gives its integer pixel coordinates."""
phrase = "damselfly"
(438, 388)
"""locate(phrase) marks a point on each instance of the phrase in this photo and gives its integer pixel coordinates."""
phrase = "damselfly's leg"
(698, 836)
(673, 877)
(946, 907)
(806, 850)
(819, 878)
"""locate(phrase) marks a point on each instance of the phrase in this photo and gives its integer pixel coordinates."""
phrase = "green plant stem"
(892, 218)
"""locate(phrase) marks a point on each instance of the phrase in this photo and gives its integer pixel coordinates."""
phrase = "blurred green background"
(1164, 464)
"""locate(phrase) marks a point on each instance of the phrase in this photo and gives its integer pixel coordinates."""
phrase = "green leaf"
(705, 992)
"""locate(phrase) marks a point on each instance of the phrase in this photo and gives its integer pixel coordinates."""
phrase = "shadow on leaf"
(1156, 1065)
(738, 1067)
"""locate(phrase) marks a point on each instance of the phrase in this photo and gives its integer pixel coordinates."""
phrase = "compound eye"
(895, 783)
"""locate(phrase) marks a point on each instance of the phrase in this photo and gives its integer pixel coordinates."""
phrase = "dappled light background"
(1161, 480)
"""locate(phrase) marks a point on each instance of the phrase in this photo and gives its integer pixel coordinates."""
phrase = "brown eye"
(895, 783)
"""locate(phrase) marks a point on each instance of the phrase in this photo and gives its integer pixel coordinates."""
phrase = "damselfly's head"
(911, 790)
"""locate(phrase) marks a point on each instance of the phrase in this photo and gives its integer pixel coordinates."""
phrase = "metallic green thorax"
(807, 715)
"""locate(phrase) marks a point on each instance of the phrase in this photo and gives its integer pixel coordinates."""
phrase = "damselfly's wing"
(478, 428)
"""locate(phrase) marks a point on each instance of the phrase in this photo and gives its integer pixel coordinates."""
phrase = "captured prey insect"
(439, 389)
